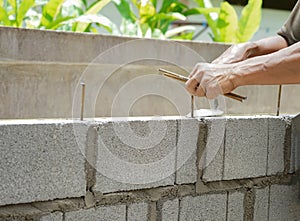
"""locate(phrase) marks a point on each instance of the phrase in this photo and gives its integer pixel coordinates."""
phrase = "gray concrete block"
(284, 202)
(170, 210)
(138, 212)
(186, 162)
(135, 155)
(56, 216)
(295, 149)
(116, 213)
(246, 145)
(204, 207)
(261, 204)
(40, 160)
(277, 129)
(235, 206)
(211, 161)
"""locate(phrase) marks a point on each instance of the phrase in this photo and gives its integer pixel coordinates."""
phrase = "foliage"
(141, 18)
(151, 21)
(225, 25)
(54, 14)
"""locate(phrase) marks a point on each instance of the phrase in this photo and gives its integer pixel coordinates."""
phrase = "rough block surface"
(295, 149)
(204, 207)
(135, 155)
(40, 162)
(116, 213)
(277, 129)
(246, 149)
(284, 202)
(186, 162)
(170, 210)
(235, 206)
(138, 212)
(261, 203)
(213, 156)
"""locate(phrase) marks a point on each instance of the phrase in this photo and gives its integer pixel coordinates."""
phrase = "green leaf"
(13, 4)
(211, 18)
(227, 23)
(92, 10)
(166, 5)
(178, 30)
(96, 7)
(203, 11)
(1, 3)
(24, 7)
(4, 17)
(59, 22)
(250, 20)
(124, 9)
(50, 11)
(85, 20)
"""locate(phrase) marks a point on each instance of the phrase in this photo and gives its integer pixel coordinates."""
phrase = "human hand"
(210, 80)
(236, 53)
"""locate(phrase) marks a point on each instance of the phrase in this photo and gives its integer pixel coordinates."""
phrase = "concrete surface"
(41, 72)
(40, 162)
(117, 213)
(261, 205)
(56, 216)
(276, 146)
(245, 149)
(135, 155)
(284, 202)
(235, 211)
(138, 212)
(205, 207)
(170, 210)
(188, 131)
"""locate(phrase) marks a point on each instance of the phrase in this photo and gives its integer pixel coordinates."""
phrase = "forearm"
(241, 52)
(281, 67)
(266, 46)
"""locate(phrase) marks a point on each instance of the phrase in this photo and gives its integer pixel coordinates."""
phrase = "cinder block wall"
(171, 168)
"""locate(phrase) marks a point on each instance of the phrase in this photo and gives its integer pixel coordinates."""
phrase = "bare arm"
(240, 52)
(280, 67)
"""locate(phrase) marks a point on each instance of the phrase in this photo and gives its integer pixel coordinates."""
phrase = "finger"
(191, 86)
(194, 71)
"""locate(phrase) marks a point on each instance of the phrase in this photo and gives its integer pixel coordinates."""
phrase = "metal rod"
(278, 100)
(82, 99)
(192, 106)
(185, 79)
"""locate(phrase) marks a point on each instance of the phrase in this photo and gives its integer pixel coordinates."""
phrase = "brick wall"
(171, 168)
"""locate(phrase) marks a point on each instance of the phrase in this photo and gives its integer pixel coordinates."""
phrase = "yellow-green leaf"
(4, 17)
(227, 23)
(96, 7)
(24, 7)
(250, 20)
(50, 10)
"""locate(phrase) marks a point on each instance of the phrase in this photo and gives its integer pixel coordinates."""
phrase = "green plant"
(225, 25)
(151, 22)
(64, 15)
(13, 12)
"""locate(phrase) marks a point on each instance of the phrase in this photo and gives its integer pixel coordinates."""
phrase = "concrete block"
(284, 202)
(277, 129)
(204, 207)
(116, 213)
(56, 216)
(40, 160)
(212, 160)
(235, 206)
(170, 210)
(246, 146)
(138, 212)
(295, 149)
(186, 162)
(135, 154)
(261, 204)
